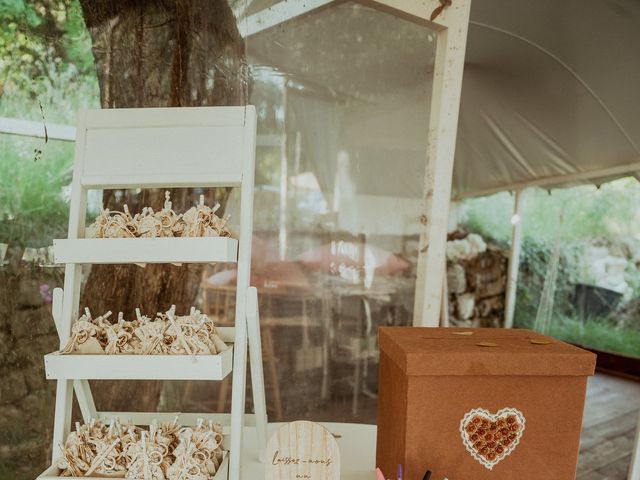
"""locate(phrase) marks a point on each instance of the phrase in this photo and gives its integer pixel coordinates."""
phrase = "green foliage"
(490, 217)
(32, 208)
(575, 218)
(45, 59)
(46, 68)
(608, 213)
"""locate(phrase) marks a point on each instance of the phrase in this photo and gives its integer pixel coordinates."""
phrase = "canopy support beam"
(585, 176)
(514, 259)
(443, 126)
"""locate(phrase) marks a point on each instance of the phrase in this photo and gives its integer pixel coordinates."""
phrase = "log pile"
(476, 281)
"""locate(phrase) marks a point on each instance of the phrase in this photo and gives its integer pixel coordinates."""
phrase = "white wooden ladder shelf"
(162, 147)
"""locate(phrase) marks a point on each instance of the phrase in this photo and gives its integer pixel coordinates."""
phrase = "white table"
(357, 451)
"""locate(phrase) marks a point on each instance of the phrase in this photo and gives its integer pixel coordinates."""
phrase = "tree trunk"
(158, 53)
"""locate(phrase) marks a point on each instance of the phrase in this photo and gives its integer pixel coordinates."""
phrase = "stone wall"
(27, 332)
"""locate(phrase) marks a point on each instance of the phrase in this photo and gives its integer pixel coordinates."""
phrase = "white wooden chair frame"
(161, 147)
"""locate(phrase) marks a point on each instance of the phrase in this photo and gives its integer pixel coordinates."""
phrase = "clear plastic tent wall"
(342, 129)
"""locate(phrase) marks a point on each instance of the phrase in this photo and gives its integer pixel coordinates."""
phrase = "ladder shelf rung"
(146, 250)
(138, 367)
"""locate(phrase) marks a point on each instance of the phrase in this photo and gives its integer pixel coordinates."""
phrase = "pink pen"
(379, 475)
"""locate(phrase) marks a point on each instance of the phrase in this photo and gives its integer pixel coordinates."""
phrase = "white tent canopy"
(549, 94)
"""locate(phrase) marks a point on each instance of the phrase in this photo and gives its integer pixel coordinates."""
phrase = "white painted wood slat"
(145, 250)
(180, 156)
(138, 367)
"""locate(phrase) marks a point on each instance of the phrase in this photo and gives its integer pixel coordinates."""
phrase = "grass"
(596, 333)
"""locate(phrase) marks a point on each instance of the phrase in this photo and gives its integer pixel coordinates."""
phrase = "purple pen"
(400, 472)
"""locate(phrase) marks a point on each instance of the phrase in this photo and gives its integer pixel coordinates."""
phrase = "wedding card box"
(480, 403)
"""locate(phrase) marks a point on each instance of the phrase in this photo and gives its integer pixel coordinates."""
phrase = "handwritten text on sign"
(302, 450)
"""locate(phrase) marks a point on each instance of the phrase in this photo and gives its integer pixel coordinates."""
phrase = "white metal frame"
(162, 147)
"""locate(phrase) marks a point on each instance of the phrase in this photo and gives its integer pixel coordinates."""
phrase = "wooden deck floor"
(608, 432)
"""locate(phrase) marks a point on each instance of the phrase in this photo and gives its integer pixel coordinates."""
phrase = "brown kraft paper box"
(510, 409)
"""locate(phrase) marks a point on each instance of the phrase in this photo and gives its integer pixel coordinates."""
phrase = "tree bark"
(158, 53)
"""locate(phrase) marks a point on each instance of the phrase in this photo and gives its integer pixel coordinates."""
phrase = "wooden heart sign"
(491, 437)
(302, 450)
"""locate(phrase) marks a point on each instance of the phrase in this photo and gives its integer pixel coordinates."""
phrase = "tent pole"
(443, 125)
(634, 469)
(514, 259)
(444, 305)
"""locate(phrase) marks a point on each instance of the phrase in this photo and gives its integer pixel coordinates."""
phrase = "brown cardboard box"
(508, 410)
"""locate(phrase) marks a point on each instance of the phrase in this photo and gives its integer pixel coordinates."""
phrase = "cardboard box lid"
(449, 351)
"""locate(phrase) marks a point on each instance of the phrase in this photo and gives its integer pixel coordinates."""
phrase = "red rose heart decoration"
(491, 437)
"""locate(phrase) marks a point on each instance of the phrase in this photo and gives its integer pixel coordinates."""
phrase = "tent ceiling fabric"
(354, 53)
(550, 88)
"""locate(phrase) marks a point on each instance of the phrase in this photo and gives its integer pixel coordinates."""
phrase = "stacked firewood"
(476, 282)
